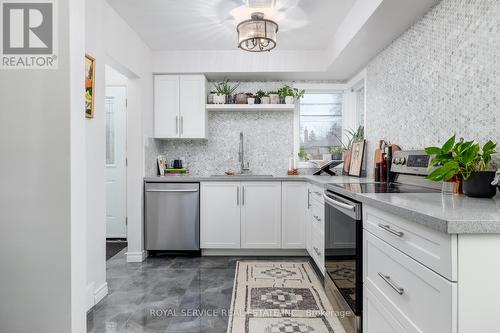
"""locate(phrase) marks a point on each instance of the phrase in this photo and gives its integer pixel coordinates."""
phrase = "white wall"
(111, 41)
(42, 197)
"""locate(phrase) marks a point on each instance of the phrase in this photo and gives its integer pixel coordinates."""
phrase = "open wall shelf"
(250, 107)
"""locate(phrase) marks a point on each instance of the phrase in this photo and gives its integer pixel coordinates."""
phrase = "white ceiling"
(211, 24)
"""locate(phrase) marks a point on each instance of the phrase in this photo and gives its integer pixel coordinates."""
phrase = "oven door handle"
(338, 203)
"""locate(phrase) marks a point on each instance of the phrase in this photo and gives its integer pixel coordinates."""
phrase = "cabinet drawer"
(318, 217)
(376, 318)
(318, 248)
(420, 299)
(317, 194)
(432, 248)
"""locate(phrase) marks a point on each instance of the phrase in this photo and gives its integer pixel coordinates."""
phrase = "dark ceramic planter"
(479, 185)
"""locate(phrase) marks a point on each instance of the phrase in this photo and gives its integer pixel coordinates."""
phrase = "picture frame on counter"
(357, 153)
(89, 85)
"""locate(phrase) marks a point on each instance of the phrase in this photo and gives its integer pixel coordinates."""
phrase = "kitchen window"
(320, 125)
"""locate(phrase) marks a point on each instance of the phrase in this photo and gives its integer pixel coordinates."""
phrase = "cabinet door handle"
(318, 252)
(176, 124)
(317, 218)
(243, 195)
(388, 280)
(308, 198)
(237, 196)
(182, 125)
(390, 230)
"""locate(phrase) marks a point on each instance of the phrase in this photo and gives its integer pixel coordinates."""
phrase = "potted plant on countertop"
(336, 152)
(465, 161)
(352, 136)
(224, 92)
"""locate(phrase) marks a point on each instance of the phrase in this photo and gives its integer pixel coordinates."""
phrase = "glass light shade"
(257, 34)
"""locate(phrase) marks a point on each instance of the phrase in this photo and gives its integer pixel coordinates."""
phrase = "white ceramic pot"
(289, 99)
(251, 100)
(265, 100)
(219, 99)
(275, 99)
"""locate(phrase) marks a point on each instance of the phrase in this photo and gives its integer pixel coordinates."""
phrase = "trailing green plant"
(261, 94)
(336, 149)
(460, 158)
(224, 88)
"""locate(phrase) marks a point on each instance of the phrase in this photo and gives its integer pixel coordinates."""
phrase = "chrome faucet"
(241, 156)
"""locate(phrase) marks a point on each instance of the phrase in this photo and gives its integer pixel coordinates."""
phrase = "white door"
(220, 215)
(261, 215)
(116, 133)
(294, 213)
(166, 106)
(193, 113)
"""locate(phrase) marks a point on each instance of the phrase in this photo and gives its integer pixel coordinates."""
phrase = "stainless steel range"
(343, 231)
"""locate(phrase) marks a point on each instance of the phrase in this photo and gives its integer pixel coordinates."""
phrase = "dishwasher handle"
(179, 190)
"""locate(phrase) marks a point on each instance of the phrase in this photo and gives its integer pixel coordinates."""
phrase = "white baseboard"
(136, 256)
(100, 292)
(90, 296)
(94, 296)
(254, 252)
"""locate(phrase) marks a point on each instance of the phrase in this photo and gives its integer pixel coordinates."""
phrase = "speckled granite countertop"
(454, 214)
(317, 180)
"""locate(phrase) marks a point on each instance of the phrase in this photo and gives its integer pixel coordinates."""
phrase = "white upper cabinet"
(179, 106)
(220, 215)
(166, 106)
(193, 114)
(261, 215)
(294, 201)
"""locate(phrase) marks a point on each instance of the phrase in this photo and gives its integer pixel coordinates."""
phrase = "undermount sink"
(246, 175)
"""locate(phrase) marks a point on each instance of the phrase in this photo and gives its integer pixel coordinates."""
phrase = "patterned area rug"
(280, 297)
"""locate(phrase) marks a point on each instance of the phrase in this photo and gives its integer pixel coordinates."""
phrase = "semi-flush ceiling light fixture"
(257, 34)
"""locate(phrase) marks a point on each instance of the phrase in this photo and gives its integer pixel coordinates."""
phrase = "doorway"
(116, 162)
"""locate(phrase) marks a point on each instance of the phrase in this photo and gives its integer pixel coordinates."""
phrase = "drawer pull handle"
(388, 229)
(388, 280)
(317, 218)
(318, 193)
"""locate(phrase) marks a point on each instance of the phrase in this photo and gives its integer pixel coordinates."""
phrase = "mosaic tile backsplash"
(268, 141)
(440, 77)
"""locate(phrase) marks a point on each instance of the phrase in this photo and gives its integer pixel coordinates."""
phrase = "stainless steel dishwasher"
(172, 216)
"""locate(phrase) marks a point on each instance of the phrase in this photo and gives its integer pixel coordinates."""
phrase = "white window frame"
(312, 88)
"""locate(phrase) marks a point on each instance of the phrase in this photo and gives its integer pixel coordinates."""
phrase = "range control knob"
(402, 160)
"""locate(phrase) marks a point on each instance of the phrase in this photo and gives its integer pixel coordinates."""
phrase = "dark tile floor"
(167, 294)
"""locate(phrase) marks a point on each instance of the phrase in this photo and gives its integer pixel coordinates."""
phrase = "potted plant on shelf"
(286, 94)
(289, 95)
(274, 97)
(224, 92)
(250, 98)
(264, 99)
(465, 161)
(258, 96)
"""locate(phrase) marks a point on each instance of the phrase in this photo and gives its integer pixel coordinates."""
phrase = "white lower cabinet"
(261, 215)
(376, 318)
(220, 215)
(294, 207)
(418, 298)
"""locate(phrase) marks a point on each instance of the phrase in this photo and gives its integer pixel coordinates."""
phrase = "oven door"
(343, 240)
